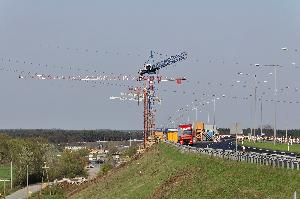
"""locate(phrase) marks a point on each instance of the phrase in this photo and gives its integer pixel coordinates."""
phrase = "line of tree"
(68, 136)
(34, 152)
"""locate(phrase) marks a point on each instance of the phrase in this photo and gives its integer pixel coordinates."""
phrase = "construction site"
(149, 99)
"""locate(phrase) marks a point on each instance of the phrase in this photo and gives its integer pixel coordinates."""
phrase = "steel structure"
(149, 74)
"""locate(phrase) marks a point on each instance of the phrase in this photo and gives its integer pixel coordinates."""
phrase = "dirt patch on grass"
(173, 183)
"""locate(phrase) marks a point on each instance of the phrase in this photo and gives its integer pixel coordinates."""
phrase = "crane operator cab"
(148, 69)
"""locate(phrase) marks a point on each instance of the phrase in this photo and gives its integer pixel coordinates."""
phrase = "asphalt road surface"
(21, 193)
(92, 172)
(229, 144)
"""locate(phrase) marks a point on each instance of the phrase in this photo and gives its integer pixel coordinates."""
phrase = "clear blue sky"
(221, 37)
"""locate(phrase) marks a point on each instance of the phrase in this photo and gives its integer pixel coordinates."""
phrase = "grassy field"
(269, 145)
(164, 172)
(4, 171)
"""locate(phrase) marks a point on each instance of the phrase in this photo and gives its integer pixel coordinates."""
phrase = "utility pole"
(45, 167)
(11, 176)
(27, 188)
(42, 182)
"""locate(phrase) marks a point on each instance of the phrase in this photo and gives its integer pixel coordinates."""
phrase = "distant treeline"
(68, 136)
(267, 132)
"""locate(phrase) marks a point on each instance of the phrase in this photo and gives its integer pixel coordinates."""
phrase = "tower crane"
(148, 75)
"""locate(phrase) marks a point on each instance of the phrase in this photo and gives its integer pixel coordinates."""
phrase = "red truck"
(186, 135)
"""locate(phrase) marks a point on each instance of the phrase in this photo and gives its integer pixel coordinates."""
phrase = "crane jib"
(170, 60)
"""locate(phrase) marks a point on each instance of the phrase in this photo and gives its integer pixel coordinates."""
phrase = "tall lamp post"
(275, 103)
(214, 100)
(261, 115)
(196, 114)
(275, 99)
(255, 100)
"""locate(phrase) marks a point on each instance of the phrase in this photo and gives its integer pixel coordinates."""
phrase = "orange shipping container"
(172, 136)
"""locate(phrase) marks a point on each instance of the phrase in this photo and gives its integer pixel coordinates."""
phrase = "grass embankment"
(270, 145)
(164, 172)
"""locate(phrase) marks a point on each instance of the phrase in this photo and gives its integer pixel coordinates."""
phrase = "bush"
(105, 168)
(131, 151)
(71, 164)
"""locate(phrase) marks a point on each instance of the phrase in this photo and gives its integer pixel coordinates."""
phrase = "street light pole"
(130, 139)
(214, 101)
(214, 110)
(254, 114)
(236, 141)
(275, 98)
(261, 116)
(275, 103)
(208, 117)
(196, 114)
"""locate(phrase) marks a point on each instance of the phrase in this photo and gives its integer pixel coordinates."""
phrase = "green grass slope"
(270, 145)
(164, 172)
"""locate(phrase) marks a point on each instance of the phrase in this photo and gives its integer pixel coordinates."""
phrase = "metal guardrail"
(274, 160)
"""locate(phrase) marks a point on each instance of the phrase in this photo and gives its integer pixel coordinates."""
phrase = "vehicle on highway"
(90, 166)
(186, 135)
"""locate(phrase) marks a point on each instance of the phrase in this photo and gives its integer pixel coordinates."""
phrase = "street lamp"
(252, 114)
(255, 99)
(275, 103)
(173, 122)
(275, 96)
(196, 110)
(214, 100)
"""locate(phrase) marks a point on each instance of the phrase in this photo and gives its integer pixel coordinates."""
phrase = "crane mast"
(149, 75)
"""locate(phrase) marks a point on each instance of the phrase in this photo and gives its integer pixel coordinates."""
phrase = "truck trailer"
(172, 135)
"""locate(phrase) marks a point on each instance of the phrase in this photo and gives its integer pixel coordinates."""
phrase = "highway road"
(229, 144)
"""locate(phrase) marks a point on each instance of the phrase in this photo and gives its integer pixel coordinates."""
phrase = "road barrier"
(274, 160)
